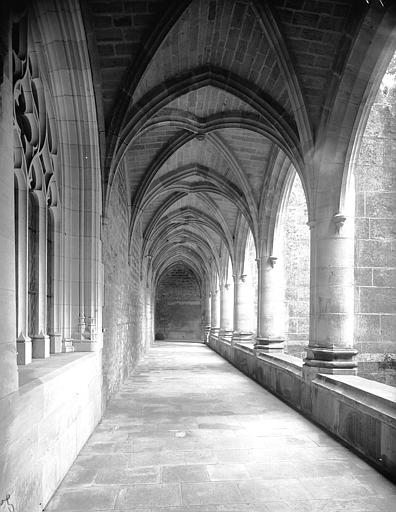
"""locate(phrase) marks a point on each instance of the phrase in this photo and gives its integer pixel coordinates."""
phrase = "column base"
(41, 346)
(55, 343)
(226, 334)
(242, 337)
(67, 346)
(335, 361)
(269, 344)
(24, 349)
(85, 346)
(214, 331)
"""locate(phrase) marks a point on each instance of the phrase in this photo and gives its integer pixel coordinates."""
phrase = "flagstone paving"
(189, 432)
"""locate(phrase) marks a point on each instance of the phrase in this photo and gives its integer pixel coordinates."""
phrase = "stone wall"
(178, 305)
(375, 254)
(44, 425)
(297, 261)
(123, 341)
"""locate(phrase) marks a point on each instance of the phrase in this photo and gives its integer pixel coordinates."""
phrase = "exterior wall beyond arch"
(375, 237)
(297, 267)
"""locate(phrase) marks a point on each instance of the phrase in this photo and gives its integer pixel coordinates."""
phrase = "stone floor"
(188, 432)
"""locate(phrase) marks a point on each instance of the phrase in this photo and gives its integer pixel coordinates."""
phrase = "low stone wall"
(361, 413)
(44, 425)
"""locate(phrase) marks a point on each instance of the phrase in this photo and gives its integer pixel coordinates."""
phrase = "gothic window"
(36, 197)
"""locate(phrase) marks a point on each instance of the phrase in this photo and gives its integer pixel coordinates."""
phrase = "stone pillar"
(243, 309)
(40, 340)
(147, 318)
(24, 342)
(271, 313)
(226, 311)
(330, 348)
(8, 360)
(215, 314)
(207, 316)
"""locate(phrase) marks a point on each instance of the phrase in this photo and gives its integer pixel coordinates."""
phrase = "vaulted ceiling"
(207, 104)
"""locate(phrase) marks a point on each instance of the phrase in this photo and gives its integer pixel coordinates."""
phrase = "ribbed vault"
(220, 102)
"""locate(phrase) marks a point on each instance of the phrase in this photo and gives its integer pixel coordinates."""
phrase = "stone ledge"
(43, 370)
(285, 361)
(244, 347)
(377, 398)
(359, 412)
(45, 423)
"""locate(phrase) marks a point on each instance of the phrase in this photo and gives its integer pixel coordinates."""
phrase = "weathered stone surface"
(45, 424)
(123, 342)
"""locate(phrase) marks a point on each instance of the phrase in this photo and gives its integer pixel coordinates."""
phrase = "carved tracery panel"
(36, 169)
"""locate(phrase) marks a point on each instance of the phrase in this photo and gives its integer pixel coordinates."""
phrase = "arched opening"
(227, 303)
(251, 280)
(296, 250)
(50, 272)
(178, 307)
(33, 264)
(375, 237)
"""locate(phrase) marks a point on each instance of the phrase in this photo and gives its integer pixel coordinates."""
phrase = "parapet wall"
(359, 412)
(44, 425)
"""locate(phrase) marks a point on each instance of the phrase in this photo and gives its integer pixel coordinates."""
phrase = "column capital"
(339, 220)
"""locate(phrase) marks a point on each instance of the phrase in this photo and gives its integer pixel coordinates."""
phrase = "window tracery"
(36, 164)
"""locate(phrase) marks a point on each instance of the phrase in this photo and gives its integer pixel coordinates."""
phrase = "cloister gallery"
(221, 171)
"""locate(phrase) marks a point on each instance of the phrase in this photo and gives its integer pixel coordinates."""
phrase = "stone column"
(207, 316)
(271, 313)
(226, 311)
(215, 314)
(243, 309)
(24, 342)
(330, 348)
(40, 340)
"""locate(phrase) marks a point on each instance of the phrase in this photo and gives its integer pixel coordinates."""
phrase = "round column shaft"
(330, 347)
(226, 311)
(271, 321)
(207, 316)
(215, 314)
(243, 309)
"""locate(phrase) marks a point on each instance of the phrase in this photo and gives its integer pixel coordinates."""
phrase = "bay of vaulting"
(189, 432)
